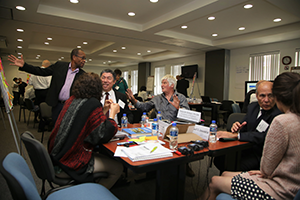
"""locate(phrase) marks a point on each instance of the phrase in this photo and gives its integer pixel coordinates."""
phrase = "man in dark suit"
(253, 128)
(63, 76)
(182, 85)
(108, 78)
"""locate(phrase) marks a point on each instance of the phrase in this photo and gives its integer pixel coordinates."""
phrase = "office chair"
(234, 117)
(235, 108)
(30, 106)
(46, 116)
(43, 165)
(22, 186)
(22, 107)
(225, 109)
(225, 196)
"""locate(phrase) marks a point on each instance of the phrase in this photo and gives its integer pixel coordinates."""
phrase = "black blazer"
(59, 72)
(126, 109)
(249, 133)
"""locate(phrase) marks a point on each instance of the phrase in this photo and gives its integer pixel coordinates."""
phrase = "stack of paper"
(138, 132)
(147, 151)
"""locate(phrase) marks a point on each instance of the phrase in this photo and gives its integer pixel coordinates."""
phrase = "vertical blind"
(176, 70)
(297, 57)
(264, 66)
(159, 73)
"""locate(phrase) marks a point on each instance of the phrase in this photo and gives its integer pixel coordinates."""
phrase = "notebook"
(147, 151)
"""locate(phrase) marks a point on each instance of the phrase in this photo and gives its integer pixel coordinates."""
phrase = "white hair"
(171, 79)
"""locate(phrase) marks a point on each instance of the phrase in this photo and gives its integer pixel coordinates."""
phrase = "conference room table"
(171, 171)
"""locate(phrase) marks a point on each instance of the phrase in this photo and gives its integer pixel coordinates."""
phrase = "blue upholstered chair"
(236, 108)
(22, 186)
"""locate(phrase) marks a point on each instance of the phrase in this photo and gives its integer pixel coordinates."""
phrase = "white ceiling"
(105, 25)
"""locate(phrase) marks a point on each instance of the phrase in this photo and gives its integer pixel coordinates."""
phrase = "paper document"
(147, 151)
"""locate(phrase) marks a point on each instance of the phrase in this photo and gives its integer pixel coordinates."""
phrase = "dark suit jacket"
(249, 133)
(59, 72)
(182, 86)
(126, 109)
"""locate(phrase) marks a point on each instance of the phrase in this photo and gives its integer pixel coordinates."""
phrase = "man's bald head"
(264, 95)
(46, 63)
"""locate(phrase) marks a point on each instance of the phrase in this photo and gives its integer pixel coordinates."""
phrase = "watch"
(286, 60)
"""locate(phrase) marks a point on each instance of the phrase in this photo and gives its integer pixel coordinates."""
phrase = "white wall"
(239, 59)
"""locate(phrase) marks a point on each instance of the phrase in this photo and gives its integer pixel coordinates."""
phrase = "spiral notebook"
(147, 151)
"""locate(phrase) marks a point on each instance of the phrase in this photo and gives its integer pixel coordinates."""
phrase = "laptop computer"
(205, 99)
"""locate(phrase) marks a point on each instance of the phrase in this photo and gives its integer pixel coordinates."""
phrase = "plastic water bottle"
(124, 121)
(173, 137)
(213, 132)
(159, 116)
(144, 119)
(154, 127)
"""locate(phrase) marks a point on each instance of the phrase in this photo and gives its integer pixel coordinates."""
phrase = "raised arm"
(15, 61)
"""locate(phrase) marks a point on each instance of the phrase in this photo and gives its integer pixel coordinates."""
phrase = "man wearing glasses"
(63, 76)
(253, 128)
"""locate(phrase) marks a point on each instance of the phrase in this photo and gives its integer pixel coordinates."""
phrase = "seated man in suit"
(108, 78)
(253, 129)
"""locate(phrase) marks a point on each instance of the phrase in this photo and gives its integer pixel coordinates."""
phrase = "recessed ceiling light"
(78, 46)
(131, 14)
(20, 30)
(85, 43)
(59, 59)
(90, 59)
(139, 54)
(62, 57)
(19, 53)
(248, 6)
(184, 27)
(277, 20)
(19, 57)
(38, 55)
(74, 1)
(215, 35)
(114, 51)
(153, 1)
(20, 8)
(242, 28)
(149, 51)
(47, 43)
(19, 47)
(104, 63)
(109, 61)
(19, 40)
(211, 18)
(49, 38)
(123, 47)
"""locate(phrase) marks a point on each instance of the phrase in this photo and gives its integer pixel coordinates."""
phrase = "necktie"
(106, 98)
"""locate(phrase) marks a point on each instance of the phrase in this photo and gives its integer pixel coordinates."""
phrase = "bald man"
(253, 128)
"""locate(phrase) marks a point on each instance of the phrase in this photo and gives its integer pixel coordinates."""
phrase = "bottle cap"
(124, 115)
(144, 113)
(213, 121)
(155, 119)
(173, 124)
(159, 112)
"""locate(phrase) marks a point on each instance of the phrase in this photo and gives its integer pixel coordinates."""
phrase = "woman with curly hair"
(80, 127)
(279, 174)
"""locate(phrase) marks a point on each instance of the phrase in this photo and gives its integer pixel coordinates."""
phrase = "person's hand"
(114, 109)
(225, 134)
(15, 61)
(175, 101)
(237, 126)
(130, 96)
(106, 106)
(256, 172)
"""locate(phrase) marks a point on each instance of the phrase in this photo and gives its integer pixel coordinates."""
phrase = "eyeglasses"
(262, 96)
(83, 58)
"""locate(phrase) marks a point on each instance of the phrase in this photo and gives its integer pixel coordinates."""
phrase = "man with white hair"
(168, 102)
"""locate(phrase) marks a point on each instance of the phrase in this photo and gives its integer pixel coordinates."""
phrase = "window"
(125, 76)
(264, 66)
(134, 81)
(159, 73)
(176, 70)
(297, 57)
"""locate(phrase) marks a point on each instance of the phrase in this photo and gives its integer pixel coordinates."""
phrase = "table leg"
(170, 182)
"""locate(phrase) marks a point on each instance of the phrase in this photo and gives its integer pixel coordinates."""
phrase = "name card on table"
(189, 115)
(162, 126)
(202, 131)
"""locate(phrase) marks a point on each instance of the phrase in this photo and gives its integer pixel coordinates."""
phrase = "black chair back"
(234, 117)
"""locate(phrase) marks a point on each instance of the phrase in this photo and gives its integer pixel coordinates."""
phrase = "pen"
(122, 143)
(153, 149)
